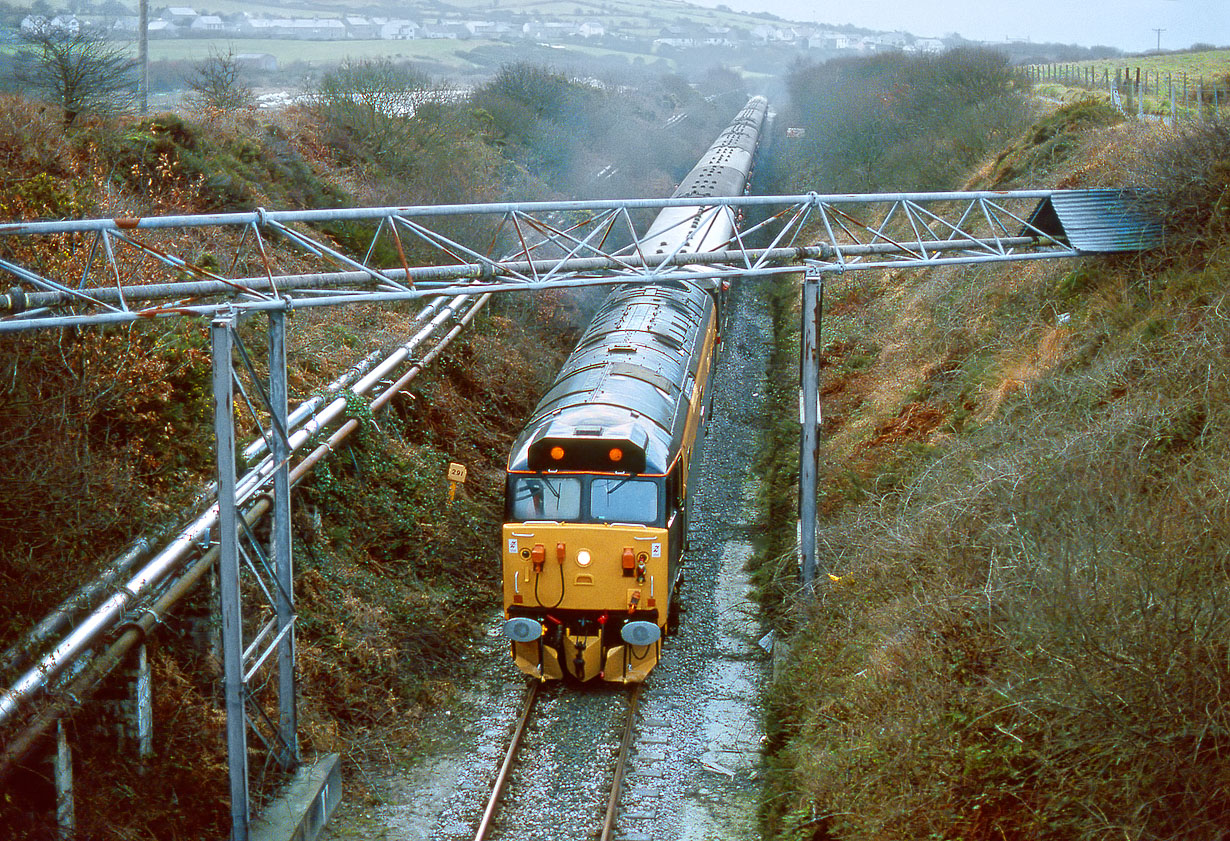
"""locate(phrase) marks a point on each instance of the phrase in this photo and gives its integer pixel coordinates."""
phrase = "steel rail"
(510, 759)
(111, 610)
(621, 763)
(70, 696)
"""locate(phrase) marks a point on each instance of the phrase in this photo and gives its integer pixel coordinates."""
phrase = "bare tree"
(82, 72)
(375, 99)
(220, 84)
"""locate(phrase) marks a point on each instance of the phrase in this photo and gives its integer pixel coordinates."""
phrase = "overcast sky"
(1127, 24)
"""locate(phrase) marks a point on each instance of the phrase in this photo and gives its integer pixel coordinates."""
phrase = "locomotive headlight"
(583, 558)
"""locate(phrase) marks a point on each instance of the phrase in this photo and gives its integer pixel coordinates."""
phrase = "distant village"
(186, 22)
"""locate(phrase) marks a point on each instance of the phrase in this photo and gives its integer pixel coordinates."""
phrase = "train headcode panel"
(595, 513)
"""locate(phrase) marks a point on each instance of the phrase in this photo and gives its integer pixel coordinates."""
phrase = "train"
(599, 480)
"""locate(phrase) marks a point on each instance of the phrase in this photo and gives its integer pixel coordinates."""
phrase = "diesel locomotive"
(597, 496)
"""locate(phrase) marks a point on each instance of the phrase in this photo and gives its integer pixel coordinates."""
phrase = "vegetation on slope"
(894, 119)
(107, 434)
(1025, 517)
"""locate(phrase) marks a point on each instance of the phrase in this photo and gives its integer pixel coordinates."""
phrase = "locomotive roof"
(723, 169)
(630, 377)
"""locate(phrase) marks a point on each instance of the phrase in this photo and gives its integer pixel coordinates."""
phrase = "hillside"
(108, 433)
(469, 37)
(1024, 518)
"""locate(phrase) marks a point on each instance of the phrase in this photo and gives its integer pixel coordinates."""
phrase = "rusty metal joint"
(15, 301)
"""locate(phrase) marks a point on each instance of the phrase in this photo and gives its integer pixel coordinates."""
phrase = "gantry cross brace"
(123, 270)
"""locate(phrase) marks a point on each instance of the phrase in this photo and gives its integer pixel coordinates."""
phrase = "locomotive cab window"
(623, 500)
(546, 498)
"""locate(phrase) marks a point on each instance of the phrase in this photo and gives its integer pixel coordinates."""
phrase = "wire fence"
(1142, 91)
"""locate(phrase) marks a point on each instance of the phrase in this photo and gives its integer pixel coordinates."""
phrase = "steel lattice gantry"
(226, 267)
(121, 270)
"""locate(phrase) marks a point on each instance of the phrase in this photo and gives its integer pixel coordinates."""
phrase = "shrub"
(1190, 176)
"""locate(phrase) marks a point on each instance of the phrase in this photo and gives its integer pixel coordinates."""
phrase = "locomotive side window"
(546, 498)
(623, 501)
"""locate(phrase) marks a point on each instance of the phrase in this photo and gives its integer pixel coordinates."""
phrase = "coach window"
(623, 501)
(546, 498)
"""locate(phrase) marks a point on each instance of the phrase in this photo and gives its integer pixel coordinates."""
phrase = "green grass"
(1190, 71)
(1208, 64)
(316, 52)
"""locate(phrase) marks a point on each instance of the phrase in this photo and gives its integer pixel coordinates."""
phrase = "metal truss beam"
(124, 270)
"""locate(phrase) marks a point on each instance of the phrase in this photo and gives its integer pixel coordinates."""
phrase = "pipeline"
(72, 695)
(181, 546)
(63, 613)
(87, 595)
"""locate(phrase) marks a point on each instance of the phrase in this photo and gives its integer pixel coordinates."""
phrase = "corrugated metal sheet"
(1098, 221)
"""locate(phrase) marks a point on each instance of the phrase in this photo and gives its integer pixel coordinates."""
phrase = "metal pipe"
(222, 336)
(63, 613)
(809, 384)
(112, 609)
(288, 726)
(307, 407)
(16, 749)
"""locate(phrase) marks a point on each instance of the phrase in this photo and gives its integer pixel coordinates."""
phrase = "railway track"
(497, 799)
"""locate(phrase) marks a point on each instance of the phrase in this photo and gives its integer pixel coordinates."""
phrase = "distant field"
(288, 52)
(1211, 64)
(1190, 74)
(448, 53)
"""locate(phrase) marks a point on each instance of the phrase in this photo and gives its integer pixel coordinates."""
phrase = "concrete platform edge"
(301, 811)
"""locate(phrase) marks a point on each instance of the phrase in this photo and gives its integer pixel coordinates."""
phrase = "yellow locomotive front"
(596, 500)
(590, 599)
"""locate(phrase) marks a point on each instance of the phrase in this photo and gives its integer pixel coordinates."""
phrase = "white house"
(399, 30)
(179, 15)
(206, 23)
(360, 27)
(35, 25)
(65, 24)
(766, 33)
(162, 29)
(318, 29)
